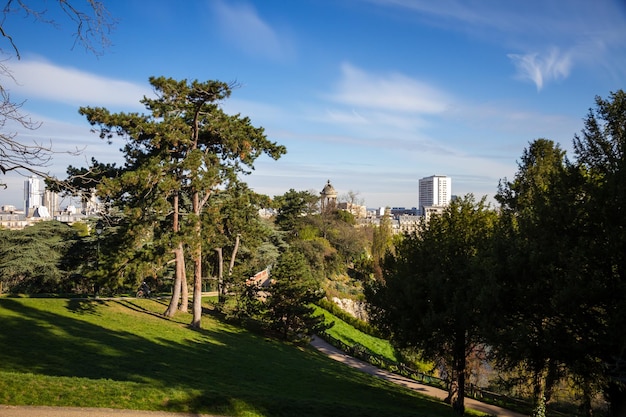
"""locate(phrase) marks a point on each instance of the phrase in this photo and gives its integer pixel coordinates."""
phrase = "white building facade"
(32, 195)
(435, 191)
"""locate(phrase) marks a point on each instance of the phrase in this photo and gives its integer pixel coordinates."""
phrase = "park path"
(341, 356)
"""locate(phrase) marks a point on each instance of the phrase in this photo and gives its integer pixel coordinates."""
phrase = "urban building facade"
(33, 195)
(434, 191)
(40, 205)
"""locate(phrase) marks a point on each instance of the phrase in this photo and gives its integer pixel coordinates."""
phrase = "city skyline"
(374, 94)
(35, 194)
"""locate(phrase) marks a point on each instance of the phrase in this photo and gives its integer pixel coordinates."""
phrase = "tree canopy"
(430, 297)
(178, 157)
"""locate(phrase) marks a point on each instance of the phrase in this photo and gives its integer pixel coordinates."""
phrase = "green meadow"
(124, 354)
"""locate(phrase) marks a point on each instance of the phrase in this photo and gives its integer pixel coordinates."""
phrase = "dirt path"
(340, 356)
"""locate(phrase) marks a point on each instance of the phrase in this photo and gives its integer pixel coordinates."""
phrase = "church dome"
(329, 190)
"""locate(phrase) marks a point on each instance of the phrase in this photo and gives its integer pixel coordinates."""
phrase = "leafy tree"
(431, 296)
(37, 259)
(318, 252)
(534, 247)
(349, 241)
(83, 181)
(601, 160)
(185, 148)
(292, 292)
(382, 242)
(293, 207)
(233, 224)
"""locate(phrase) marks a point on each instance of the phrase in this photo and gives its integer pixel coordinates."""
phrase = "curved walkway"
(340, 356)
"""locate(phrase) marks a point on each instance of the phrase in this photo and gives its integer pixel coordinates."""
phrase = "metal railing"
(471, 391)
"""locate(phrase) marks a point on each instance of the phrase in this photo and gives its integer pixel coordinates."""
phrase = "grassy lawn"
(351, 336)
(124, 354)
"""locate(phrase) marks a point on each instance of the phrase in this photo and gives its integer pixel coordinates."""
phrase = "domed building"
(328, 197)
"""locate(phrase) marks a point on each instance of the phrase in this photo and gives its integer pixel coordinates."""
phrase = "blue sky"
(371, 94)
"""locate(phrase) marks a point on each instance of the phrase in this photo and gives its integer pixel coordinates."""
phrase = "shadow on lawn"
(223, 371)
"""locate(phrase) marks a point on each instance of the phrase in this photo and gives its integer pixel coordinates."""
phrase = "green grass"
(351, 336)
(124, 354)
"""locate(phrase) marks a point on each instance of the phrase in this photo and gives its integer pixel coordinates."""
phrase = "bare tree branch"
(93, 25)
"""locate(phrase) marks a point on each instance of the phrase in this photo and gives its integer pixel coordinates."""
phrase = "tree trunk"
(234, 255)
(184, 288)
(539, 391)
(231, 266)
(171, 309)
(586, 405)
(180, 279)
(453, 390)
(460, 361)
(616, 394)
(456, 391)
(179, 284)
(197, 264)
(220, 274)
(459, 404)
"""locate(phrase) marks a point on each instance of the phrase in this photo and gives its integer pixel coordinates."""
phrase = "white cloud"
(592, 32)
(243, 27)
(41, 79)
(542, 68)
(393, 92)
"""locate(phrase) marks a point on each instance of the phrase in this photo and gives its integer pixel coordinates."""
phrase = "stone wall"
(355, 308)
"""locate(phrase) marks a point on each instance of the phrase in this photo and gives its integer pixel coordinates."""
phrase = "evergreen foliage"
(430, 298)
(534, 255)
(293, 291)
(180, 155)
(42, 258)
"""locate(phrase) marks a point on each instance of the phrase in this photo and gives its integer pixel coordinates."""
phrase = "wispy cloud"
(41, 79)
(242, 26)
(577, 26)
(390, 92)
(542, 68)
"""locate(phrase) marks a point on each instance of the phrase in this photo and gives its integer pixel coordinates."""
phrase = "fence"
(471, 390)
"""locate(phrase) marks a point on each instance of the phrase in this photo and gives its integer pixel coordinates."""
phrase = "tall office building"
(51, 200)
(32, 195)
(435, 191)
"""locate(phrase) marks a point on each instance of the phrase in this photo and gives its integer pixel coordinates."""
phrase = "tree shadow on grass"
(223, 370)
(82, 306)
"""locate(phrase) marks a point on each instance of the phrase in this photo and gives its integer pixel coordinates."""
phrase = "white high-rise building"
(435, 191)
(32, 195)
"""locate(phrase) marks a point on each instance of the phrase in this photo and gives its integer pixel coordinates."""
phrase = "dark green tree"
(292, 293)
(38, 259)
(430, 298)
(534, 249)
(293, 207)
(600, 150)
